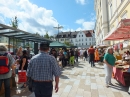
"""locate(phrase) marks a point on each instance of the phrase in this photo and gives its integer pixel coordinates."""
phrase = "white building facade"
(101, 26)
(81, 39)
(108, 14)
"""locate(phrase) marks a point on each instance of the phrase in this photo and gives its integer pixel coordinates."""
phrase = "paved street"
(83, 81)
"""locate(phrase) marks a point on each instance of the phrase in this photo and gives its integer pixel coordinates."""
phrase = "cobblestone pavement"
(84, 81)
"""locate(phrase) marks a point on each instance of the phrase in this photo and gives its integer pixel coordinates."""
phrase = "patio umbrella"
(57, 44)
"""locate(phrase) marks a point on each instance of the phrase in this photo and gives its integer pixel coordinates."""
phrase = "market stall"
(121, 70)
(121, 73)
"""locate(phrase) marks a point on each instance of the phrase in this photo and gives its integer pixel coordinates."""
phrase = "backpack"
(4, 64)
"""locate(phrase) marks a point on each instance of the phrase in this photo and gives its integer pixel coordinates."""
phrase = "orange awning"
(122, 32)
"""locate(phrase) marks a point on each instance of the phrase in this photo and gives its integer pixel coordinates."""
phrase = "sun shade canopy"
(122, 32)
(11, 32)
(57, 44)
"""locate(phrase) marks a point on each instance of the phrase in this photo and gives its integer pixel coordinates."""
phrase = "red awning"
(122, 32)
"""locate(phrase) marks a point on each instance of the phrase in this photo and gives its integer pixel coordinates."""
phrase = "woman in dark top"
(24, 61)
(24, 64)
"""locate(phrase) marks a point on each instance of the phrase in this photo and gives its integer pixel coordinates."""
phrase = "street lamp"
(58, 27)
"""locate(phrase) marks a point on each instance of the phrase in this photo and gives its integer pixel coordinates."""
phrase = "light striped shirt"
(43, 67)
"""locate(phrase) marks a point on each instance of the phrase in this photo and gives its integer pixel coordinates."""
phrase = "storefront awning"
(122, 32)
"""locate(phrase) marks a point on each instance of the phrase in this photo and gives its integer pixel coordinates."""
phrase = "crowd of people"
(44, 66)
(69, 57)
(16, 62)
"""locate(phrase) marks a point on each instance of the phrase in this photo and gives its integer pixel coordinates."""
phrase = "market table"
(121, 76)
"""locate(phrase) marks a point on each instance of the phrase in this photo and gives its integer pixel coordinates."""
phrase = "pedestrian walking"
(72, 57)
(85, 55)
(91, 51)
(28, 52)
(24, 64)
(109, 60)
(76, 55)
(41, 69)
(6, 64)
(96, 55)
(81, 53)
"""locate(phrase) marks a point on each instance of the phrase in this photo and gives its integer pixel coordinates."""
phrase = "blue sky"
(42, 15)
(68, 11)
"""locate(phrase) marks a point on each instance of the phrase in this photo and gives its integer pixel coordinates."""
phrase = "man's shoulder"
(51, 57)
(39, 55)
(36, 56)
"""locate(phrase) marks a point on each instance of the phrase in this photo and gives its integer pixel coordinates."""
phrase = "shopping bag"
(22, 76)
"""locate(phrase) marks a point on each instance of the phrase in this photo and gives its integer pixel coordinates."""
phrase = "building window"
(82, 39)
(101, 20)
(124, 16)
(86, 44)
(82, 44)
(79, 43)
(90, 39)
(100, 4)
(79, 35)
(111, 12)
(79, 39)
(86, 39)
(122, 0)
(82, 35)
(61, 39)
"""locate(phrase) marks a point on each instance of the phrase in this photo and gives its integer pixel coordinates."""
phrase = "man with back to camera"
(41, 69)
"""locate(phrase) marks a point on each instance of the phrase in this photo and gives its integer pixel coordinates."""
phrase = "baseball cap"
(44, 44)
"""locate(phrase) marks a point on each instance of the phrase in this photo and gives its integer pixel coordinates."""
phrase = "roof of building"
(73, 34)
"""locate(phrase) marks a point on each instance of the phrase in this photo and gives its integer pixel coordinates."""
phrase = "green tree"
(14, 22)
(46, 35)
(37, 34)
(68, 43)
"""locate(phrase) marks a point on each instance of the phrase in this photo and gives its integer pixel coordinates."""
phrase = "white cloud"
(86, 25)
(82, 2)
(31, 17)
(80, 21)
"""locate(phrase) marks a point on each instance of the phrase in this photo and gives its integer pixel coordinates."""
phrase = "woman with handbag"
(24, 64)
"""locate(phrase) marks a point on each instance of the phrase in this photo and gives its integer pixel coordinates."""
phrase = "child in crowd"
(17, 64)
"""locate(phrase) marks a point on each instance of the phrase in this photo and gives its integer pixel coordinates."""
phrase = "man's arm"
(56, 73)
(56, 84)
(29, 69)
(12, 63)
